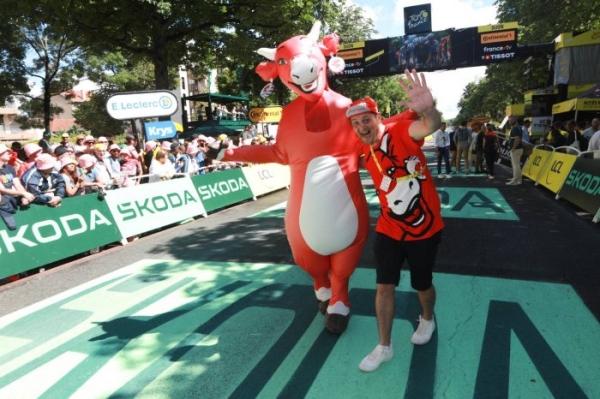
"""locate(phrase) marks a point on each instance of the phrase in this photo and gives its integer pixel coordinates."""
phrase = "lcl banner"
(417, 19)
(582, 186)
(555, 171)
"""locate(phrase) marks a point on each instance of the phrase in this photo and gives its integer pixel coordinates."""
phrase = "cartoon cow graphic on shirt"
(405, 202)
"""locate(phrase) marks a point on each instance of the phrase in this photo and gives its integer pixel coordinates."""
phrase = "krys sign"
(146, 104)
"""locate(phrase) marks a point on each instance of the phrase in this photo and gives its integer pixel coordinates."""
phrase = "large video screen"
(448, 49)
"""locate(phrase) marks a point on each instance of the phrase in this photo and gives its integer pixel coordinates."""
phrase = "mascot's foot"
(323, 306)
(336, 323)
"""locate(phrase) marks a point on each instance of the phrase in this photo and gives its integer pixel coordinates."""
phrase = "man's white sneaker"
(424, 331)
(448, 176)
(380, 354)
(440, 176)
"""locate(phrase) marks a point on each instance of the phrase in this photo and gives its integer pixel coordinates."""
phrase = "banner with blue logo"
(417, 19)
(160, 130)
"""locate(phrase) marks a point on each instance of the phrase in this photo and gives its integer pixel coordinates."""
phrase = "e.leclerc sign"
(145, 104)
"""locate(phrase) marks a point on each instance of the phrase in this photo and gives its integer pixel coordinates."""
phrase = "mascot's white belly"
(328, 216)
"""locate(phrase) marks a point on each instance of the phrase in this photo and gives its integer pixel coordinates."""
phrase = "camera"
(101, 194)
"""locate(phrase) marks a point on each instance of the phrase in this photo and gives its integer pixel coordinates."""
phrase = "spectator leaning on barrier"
(12, 191)
(92, 181)
(70, 174)
(131, 167)
(113, 163)
(161, 168)
(47, 187)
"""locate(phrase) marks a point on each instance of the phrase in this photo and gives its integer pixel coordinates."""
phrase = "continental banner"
(555, 171)
(535, 163)
(582, 186)
(221, 189)
(150, 206)
(265, 178)
(45, 235)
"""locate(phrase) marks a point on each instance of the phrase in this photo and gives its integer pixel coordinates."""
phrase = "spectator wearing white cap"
(32, 151)
(47, 187)
(113, 163)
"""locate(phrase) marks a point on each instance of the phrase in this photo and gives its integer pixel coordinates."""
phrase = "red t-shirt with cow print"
(410, 205)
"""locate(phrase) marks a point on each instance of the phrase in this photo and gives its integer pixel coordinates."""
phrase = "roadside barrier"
(46, 235)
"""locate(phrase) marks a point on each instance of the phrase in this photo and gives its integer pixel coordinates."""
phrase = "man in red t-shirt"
(410, 225)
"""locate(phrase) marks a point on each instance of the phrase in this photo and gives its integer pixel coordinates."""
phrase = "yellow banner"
(575, 90)
(535, 162)
(555, 171)
(348, 46)
(579, 104)
(515, 109)
(496, 27)
(565, 106)
(570, 40)
(268, 114)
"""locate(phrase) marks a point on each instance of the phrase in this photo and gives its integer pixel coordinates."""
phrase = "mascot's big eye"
(282, 61)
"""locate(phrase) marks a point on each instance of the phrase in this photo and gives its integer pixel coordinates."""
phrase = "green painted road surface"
(176, 329)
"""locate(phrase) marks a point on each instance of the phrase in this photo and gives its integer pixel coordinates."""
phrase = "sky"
(447, 86)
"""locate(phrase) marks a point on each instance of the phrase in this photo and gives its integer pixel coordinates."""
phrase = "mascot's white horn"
(315, 31)
(268, 53)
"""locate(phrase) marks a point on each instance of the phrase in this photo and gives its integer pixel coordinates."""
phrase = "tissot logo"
(46, 231)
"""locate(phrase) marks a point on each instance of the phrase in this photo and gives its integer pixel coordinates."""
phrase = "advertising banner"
(496, 44)
(368, 58)
(265, 178)
(417, 19)
(160, 130)
(144, 104)
(555, 171)
(582, 186)
(265, 114)
(45, 235)
(223, 188)
(150, 206)
(535, 163)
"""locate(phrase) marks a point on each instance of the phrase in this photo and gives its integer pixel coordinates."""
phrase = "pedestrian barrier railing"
(45, 235)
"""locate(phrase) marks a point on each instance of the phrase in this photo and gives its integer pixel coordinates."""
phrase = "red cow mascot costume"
(326, 216)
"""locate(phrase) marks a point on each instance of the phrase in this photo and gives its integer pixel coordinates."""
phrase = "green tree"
(12, 54)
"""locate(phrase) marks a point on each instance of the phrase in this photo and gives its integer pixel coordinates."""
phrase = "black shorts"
(420, 256)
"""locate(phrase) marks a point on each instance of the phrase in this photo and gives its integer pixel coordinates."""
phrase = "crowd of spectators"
(44, 173)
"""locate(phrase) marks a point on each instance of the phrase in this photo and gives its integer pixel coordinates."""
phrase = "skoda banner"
(417, 19)
(582, 186)
(146, 207)
(45, 235)
(218, 190)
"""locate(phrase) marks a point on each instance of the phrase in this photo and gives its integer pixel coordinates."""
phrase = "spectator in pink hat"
(88, 142)
(113, 162)
(32, 151)
(70, 174)
(47, 187)
(131, 168)
(92, 181)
